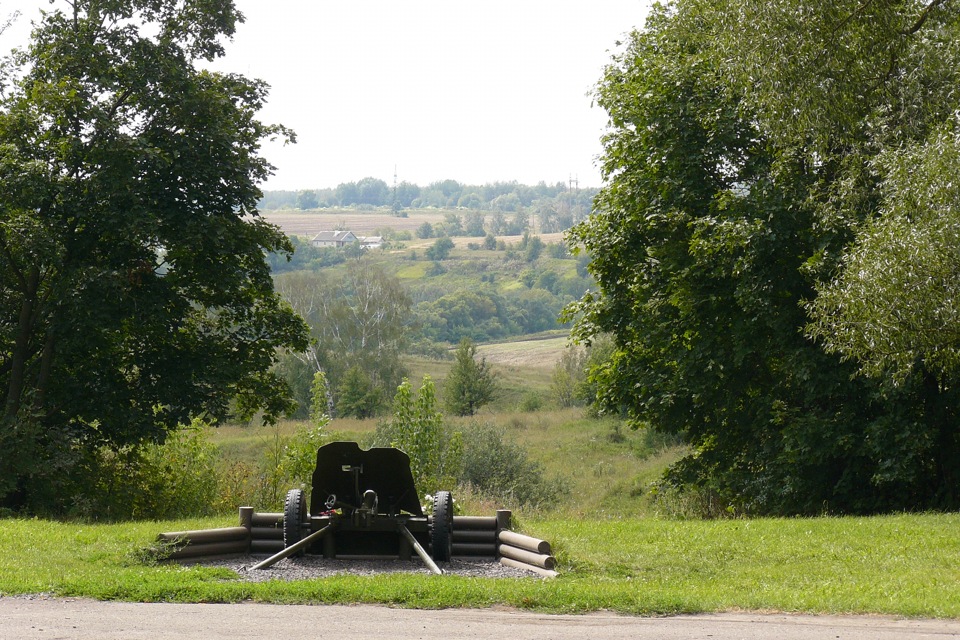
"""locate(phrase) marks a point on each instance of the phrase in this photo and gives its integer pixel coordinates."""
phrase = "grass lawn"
(901, 565)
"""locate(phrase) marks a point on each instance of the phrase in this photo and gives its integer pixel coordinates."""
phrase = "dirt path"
(28, 619)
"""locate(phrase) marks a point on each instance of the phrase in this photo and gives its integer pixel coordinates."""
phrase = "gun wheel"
(294, 515)
(442, 536)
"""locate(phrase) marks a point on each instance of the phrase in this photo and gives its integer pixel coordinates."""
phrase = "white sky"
(473, 91)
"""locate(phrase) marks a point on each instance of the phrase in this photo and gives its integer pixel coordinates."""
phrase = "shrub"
(501, 469)
(299, 457)
(417, 428)
(531, 402)
(176, 479)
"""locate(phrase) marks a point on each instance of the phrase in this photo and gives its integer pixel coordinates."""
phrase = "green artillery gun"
(365, 503)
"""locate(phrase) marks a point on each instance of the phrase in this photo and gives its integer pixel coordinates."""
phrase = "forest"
(558, 205)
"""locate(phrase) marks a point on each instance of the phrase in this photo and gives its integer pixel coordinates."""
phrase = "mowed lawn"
(900, 565)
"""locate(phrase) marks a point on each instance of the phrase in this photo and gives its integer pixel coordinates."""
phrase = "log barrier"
(473, 537)
(525, 552)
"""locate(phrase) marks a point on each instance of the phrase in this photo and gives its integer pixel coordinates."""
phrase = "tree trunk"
(941, 413)
(21, 349)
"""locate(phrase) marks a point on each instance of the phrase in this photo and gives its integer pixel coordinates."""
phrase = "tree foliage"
(470, 383)
(729, 202)
(135, 291)
(417, 428)
(893, 308)
(358, 320)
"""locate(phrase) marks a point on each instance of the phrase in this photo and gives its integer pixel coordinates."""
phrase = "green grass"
(899, 565)
(615, 553)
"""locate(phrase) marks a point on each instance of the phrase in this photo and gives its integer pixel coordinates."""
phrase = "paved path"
(48, 619)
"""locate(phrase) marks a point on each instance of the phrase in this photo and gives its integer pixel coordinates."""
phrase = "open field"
(536, 353)
(907, 565)
(364, 223)
(309, 223)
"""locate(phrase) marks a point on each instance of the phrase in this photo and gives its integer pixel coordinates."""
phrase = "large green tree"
(135, 293)
(728, 203)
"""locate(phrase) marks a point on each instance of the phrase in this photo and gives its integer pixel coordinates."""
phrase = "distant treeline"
(373, 192)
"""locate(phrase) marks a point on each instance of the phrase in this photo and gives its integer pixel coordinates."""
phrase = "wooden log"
(509, 562)
(503, 519)
(525, 542)
(267, 520)
(474, 549)
(246, 517)
(467, 535)
(266, 533)
(474, 522)
(266, 546)
(211, 549)
(203, 536)
(528, 557)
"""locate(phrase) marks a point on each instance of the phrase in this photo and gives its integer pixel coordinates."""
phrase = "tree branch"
(923, 18)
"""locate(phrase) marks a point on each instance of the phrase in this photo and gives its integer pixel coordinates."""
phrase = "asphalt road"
(48, 619)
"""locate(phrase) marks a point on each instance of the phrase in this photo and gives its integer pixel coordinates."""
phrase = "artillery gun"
(365, 503)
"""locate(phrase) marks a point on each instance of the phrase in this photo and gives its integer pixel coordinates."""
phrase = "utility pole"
(396, 204)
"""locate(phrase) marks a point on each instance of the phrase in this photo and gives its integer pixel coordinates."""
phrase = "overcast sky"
(474, 91)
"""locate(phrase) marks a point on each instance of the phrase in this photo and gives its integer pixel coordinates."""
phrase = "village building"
(334, 239)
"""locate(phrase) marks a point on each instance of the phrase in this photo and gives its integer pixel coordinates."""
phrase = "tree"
(358, 397)
(716, 223)
(440, 250)
(480, 314)
(425, 231)
(134, 286)
(307, 199)
(347, 193)
(373, 191)
(893, 307)
(358, 319)
(474, 224)
(452, 224)
(569, 376)
(406, 193)
(470, 384)
(321, 400)
(416, 428)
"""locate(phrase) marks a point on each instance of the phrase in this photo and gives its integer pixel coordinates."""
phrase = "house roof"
(335, 236)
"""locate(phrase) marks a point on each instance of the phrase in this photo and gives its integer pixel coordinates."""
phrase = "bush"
(299, 457)
(417, 428)
(501, 469)
(531, 402)
(176, 479)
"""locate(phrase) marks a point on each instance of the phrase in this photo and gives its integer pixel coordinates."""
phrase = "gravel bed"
(308, 567)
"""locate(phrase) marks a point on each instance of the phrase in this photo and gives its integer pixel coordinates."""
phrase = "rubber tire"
(294, 515)
(441, 540)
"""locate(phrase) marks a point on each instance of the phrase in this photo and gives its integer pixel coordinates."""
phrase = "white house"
(371, 242)
(334, 239)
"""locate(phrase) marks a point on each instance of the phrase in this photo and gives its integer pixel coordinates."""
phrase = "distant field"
(309, 224)
(538, 354)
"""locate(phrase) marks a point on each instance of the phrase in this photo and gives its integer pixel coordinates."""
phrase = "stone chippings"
(309, 567)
